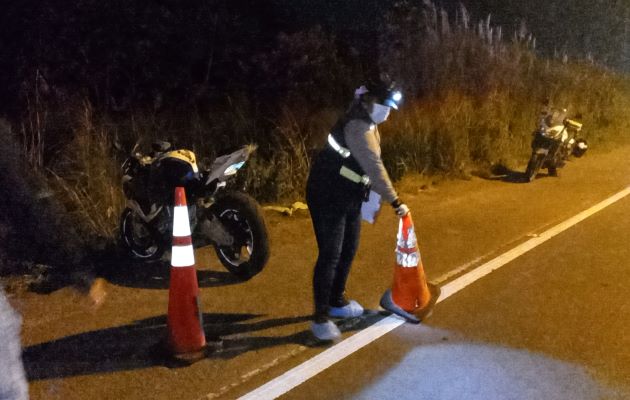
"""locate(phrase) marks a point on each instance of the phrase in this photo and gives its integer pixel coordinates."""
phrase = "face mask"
(379, 113)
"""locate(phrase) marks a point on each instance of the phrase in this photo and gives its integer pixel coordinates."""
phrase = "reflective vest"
(335, 174)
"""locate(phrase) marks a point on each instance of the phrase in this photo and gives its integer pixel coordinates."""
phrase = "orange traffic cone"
(411, 296)
(186, 339)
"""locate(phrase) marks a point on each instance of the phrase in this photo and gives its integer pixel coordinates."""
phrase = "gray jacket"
(364, 142)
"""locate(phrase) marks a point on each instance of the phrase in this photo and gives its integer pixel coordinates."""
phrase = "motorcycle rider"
(339, 181)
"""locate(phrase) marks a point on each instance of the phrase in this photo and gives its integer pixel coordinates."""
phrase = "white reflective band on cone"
(181, 226)
(182, 256)
(405, 260)
(411, 242)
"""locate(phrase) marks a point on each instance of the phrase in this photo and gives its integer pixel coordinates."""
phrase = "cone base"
(163, 353)
(387, 302)
(190, 357)
(426, 311)
(416, 316)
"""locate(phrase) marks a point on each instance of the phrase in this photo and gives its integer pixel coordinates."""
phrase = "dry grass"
(89, 176)
(475, 96)
(472, 98)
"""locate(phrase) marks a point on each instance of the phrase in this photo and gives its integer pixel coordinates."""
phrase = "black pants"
(337, 230)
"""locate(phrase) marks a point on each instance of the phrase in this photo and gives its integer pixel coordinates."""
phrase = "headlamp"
(393, 100)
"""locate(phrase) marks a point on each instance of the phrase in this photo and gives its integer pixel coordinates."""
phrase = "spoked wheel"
(242, 219)
(138, 238)
(241, 251)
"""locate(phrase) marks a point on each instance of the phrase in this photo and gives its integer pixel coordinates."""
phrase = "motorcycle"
(555, 140)
(232, 222)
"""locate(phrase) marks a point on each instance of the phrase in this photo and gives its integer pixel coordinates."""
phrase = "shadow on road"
(139, 345)
(505, 174)
(155, 275)
(119, 270)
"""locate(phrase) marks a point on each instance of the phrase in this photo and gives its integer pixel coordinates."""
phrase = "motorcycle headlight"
(232, 169)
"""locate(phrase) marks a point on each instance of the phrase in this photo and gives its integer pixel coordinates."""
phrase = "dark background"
(125, 54)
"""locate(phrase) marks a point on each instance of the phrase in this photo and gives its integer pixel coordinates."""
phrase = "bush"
(472, 96)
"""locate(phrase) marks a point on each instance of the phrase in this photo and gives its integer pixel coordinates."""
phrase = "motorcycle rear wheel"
(138, 238)
(242, 218)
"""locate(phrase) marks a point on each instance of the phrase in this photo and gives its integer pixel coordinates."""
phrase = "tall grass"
(475, 95)
(472, 99)
(89, 175)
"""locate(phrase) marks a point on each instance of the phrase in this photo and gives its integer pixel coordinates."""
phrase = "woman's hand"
(400, 208)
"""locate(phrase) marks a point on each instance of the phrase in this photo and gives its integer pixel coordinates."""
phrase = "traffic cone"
(411, 296)
(186, 339)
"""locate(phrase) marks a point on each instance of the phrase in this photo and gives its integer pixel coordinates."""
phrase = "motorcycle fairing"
(183, 155)
(542, 141)
(221, 166)
(557, 132)
(542, 151)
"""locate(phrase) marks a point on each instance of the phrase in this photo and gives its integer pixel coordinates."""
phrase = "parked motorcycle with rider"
(231, 221)
(554, 141)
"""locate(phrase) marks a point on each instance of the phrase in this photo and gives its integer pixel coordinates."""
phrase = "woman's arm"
(364, 144)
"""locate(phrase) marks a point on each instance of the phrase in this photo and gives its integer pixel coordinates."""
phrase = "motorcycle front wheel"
(533, 166)
(243, 220)
(138, 238)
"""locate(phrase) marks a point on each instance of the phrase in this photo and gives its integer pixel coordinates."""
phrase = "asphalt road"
(552, 324)
(554, 320)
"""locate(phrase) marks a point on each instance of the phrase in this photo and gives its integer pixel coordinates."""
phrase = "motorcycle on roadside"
(554, 141)
(231, 221)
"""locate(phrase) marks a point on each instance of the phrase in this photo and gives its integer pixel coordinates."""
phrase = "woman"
(339, 181)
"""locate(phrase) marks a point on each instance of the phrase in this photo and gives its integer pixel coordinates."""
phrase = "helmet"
(384, 92)
(580, 148)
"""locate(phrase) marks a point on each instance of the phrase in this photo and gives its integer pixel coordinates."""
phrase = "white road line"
(483, 270)
(298, 375)
(456, 271)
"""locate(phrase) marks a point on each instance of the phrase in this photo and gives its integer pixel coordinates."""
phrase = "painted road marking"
(300, 374)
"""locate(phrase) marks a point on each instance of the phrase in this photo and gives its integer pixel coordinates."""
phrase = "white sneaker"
(325, 330)
(350, 310)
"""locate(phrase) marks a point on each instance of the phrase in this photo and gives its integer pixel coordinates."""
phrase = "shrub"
(472, 96)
